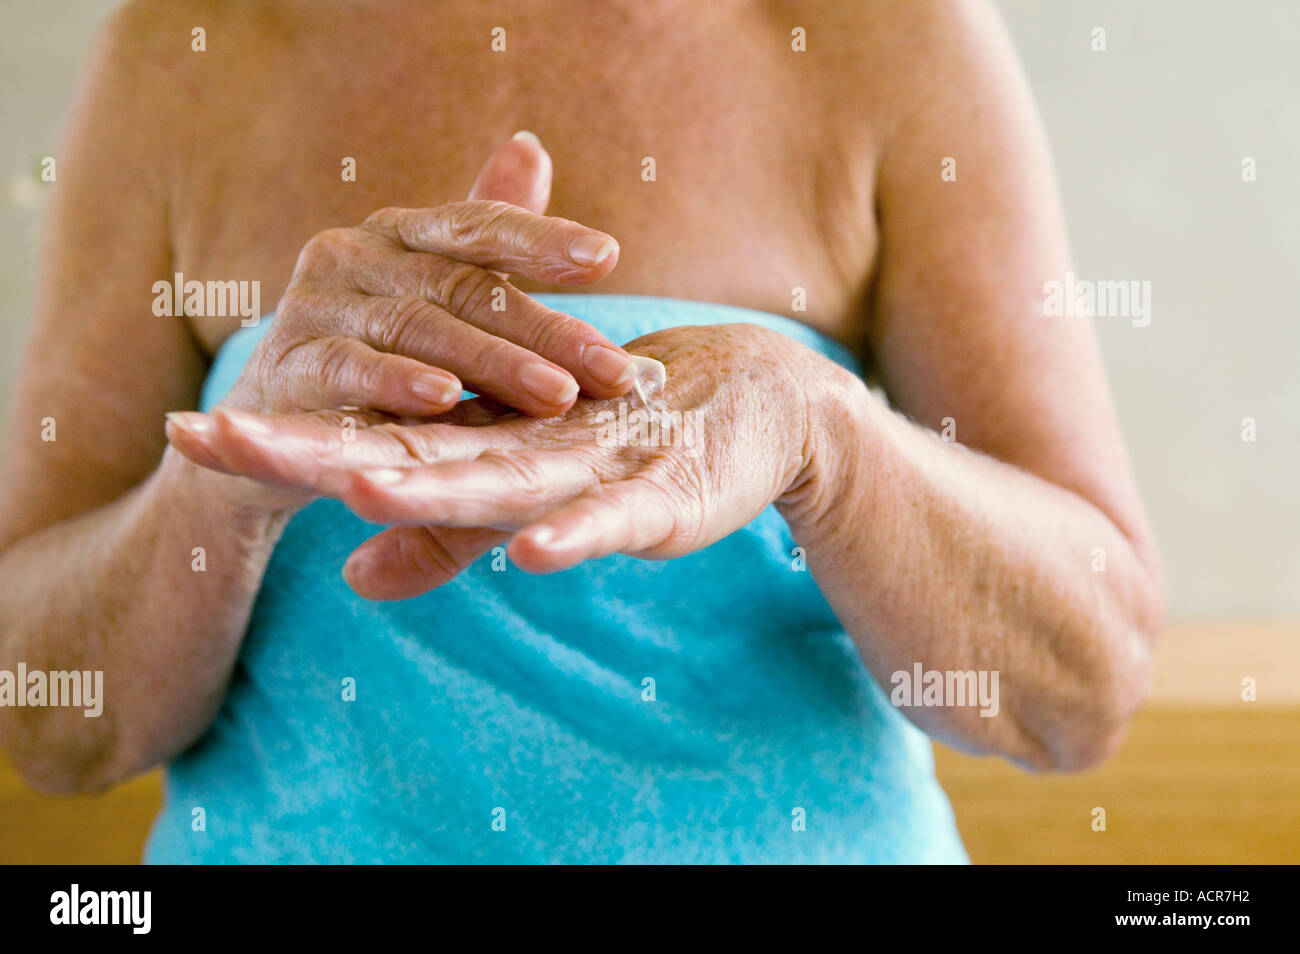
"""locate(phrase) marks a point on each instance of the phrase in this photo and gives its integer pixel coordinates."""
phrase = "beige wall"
(41, 49)
(1149, 138)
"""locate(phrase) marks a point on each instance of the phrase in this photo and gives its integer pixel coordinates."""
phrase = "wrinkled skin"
(776, 171)
(457, 487)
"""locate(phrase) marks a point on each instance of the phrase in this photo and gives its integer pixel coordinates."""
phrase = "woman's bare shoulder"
(894, 55)
(174, 57)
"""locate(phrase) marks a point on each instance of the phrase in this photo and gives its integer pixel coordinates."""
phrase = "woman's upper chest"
(720, 160)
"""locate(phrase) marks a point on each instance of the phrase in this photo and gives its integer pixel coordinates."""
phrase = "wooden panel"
(1190, 786)
(97, 830)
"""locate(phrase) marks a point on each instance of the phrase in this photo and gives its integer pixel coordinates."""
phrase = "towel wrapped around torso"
(705, 709)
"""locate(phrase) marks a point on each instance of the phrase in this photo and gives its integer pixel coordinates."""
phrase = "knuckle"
(333, 364)
(461, 222)
(273, 359)
(264, 370)
(270, 354)
(298, 314)
(418, 451)
(383, 220)
(555, 333)
(494, 359)
(279, 372)
(337, 418)
(473, 224)
(464, 289)
(602, 468)
(523, 472)
(301, 317)
(395, 323)
(328, 247)
(293, 305)
(364, 379)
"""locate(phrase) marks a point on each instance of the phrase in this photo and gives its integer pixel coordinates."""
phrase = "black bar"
(307, 904)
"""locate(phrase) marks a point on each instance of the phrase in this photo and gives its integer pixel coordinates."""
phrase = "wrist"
(840, 417)
(248, 511)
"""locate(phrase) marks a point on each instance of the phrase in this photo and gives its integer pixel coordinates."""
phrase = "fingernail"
(549, 538)
(384, 475)
(547, 384)
(527, 135)
(435, 389)
(356, 565)
(541, 536)
(247, 422)
(591, 249)
(190, 421)
(608, 366)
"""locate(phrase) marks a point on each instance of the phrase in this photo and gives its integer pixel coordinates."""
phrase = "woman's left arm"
(935, 555)
(1021, 546)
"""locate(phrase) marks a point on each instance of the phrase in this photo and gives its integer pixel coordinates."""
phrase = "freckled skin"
(762, 160)
(779, 176)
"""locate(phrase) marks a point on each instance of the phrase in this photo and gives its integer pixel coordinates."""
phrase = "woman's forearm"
(124, 590)
(935, 555)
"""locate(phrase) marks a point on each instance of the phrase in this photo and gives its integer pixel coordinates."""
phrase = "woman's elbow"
(1096, 719)
(89, 765)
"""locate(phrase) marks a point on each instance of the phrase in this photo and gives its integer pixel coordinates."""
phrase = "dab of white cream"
(651, 375)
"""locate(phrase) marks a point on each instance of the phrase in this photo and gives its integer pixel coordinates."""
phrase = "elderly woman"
(553, 639)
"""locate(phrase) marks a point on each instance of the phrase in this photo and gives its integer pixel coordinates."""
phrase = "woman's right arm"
(96, 534)
(100, 519)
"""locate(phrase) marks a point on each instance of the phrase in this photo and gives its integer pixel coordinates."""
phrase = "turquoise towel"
(512, 718)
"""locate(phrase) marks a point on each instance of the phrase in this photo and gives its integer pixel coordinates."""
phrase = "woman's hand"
(395, 315)
(729, 437)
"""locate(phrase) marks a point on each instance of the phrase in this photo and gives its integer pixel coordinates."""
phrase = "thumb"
(519, 172)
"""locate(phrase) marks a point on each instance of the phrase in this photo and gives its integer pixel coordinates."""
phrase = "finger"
(231, 442)
(519, 172)
(316, 451)
(503, 490)
(188, 432)
(403, 562)
(487, 302)
(338, 371)
(486, 363)
(627, 516)
(191, 433)
(504, 238)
